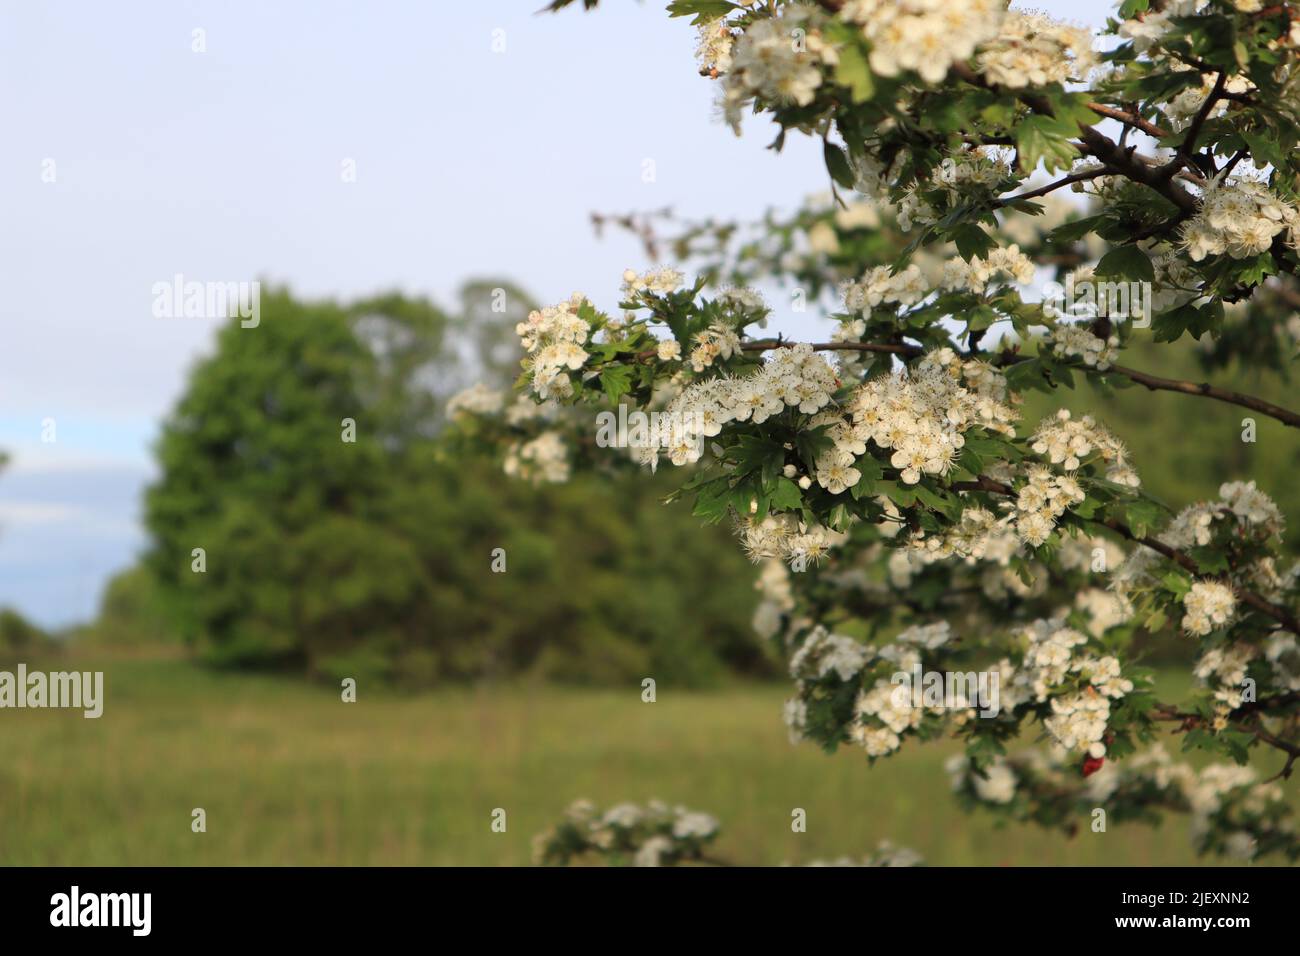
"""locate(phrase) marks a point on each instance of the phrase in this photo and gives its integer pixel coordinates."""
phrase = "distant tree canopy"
(19, 637)
(309, 516)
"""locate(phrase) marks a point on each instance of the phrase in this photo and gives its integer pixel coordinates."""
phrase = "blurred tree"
(19, 636)
(372, 557)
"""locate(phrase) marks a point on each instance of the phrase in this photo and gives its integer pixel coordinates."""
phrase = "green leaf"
(972, 241)
(712, 502)
(704, 11)
(837, 164)
(1197, 320)
(1046, 140)
(1126, 262)
(871, 471)
(1142, 515)
(1177, 584)
(852, 72)
(1075, 229)
(812, 443)
(616, 381)
(786, 496)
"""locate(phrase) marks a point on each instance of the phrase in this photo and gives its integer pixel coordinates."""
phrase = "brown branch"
(1125, 160)
(1291, 750)
(1269, 703)
(1128, 119)
(1152, 382)
(1156, 383)
(1265, 607)
(1191, 721)
(1097, 144)
(1188, 146)
(1053, 187)
(911, 351)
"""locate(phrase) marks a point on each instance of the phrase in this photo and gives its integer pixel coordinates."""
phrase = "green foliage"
(19, 637)
(132, 612)
(372, 558)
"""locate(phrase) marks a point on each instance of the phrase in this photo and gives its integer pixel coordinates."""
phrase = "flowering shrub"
(653, 835)
(884, 478)
(658, 835)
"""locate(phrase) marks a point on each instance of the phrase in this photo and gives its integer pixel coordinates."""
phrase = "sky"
(482, 136)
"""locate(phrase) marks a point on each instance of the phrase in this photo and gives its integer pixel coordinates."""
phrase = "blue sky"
(225, 165)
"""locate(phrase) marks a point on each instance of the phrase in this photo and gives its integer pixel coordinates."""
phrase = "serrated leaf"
(853, 72)
(616, 381)
(1043, 139)
(1126, 262)
(704, 11)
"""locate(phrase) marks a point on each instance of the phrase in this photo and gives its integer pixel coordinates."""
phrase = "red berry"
(1092, 764)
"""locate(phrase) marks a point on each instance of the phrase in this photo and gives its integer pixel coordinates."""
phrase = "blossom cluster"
(882, 286)
(777, 60)
(787, 538)
(1209, 605)
(975, 275)
(1224, 670)
(718, 341)
(540, 460)
(1033, 50)
(974, 374)
(478, 399)
(1077, 340)
(1069, 442)
(553, 340)
(661, 281)
(652, 835)
(1239, 218)
(975, 173)
(713, 50)
(822, 654)
(996, 784)
(977, 535)
(1232, 812)
(659, 835)
(1058, 667)
(1183, 107)
(920, 416)
(883, 711)
(794, 377)
(886, 854)
(1041, 501)
(923, 36)
(1242, 517)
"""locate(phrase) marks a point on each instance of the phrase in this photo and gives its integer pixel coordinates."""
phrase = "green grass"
(288, 774)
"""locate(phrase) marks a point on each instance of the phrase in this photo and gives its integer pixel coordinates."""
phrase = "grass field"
(288, 774)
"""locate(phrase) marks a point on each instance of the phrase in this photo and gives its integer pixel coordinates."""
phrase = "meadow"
(289, 774)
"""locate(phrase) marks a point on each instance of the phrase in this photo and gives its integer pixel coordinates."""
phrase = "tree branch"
(1152, 382)
(1053, 187)
(1128, 119)
(1279, 614)
(1188, 145)
(1156, 383)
